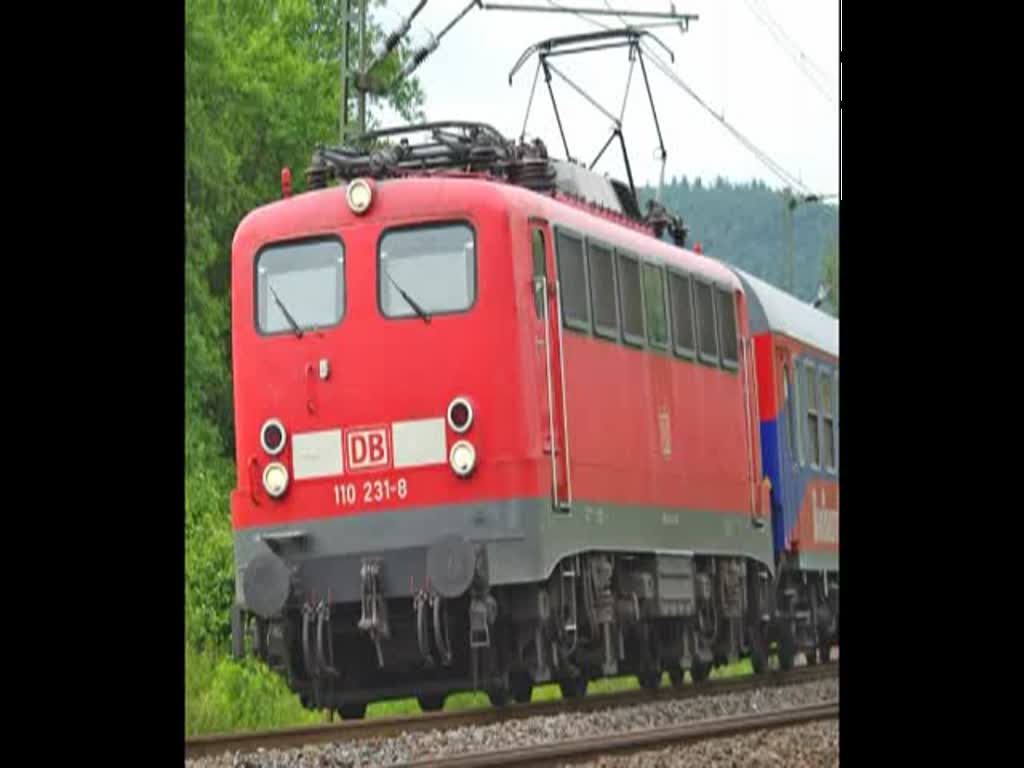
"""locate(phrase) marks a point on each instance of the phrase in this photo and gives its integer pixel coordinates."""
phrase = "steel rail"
(383, 727)
(635, 741)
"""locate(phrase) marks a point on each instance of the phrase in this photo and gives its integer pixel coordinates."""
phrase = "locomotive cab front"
(383, 473)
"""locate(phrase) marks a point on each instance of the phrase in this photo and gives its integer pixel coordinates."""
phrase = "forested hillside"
(745, 225)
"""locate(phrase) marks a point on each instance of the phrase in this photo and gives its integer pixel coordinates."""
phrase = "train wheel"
(758, 651)
(650, 679)
(699, 670)
(676, 675)
(787, 649)
(521, 686)
(498, 696)
(573, 688)
(352, 711)
(431, 703)
(825, 651)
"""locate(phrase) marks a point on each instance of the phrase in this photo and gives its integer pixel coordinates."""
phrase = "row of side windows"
(617, 296)
(813, 407)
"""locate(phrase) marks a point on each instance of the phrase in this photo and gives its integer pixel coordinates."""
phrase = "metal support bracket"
(481, 616)
(374, 618)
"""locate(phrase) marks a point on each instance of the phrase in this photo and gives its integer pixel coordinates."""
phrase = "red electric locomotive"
(492, 431)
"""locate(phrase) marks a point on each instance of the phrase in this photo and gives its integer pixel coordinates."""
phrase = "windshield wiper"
(284, 309)
(409, 300)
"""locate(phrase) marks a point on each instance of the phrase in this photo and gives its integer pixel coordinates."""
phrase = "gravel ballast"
(540, 730)
(815, 745)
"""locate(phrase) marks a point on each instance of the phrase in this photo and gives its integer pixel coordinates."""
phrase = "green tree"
(832, 273)
(742, 224)
(261, 90)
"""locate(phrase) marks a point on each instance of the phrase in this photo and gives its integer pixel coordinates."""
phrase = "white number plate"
(370, 492)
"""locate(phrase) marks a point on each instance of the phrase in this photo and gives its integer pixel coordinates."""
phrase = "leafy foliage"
(222, 695)
(261, 90)
(832, 273)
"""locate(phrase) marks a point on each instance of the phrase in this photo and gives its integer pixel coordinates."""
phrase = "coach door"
(547, 305)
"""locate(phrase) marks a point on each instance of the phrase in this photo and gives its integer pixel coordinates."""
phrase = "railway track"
(635, 741)
(354, 730)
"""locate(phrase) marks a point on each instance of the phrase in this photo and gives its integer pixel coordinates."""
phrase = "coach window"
(572, 275)
(811, 390)
(727, 327)
(602, 290)
(654, 300)
(795, 412)
(827, 422)
(540, 269)
(789, 403)
(631, 299)
(303, 281)
(681, 305)
(707, 336)
(835, 384)
(435, 265)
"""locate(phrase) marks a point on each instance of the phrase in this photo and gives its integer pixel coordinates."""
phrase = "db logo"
(367, 448)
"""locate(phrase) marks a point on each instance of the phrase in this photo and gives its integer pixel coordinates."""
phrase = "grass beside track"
(224, 695)
(469, 700)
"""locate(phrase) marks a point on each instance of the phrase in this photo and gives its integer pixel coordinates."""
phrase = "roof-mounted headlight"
(359, 196)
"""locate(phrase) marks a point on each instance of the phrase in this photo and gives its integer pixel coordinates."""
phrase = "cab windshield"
(435, 265)
(304, 280)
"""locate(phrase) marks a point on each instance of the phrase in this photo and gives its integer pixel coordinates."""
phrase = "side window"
(631, 299)
(681, 301)
(811, 391)
(572, 275)
(789, 403)
(836, 411)
(707, 337)
(602, 291)
(540, 269)
(654, 300)
(795, 414)
(727, 327)
(827, 422)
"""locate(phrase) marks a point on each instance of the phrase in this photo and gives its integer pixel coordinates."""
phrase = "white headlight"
(359, 195)
(275, 479)
(462, 458)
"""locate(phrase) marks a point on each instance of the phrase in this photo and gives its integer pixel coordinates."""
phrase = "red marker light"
(460, 415)
(697, 248)
(286, 182)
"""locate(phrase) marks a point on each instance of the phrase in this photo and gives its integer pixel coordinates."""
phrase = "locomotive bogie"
(599, 614)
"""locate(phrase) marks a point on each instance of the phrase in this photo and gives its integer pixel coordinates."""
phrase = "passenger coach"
(797, 350)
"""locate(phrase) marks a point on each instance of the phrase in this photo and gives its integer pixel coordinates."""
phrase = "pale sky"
(728, 56)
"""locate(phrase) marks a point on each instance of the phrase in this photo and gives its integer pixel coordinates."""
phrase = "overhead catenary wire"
(777, 169)
(804, 63)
